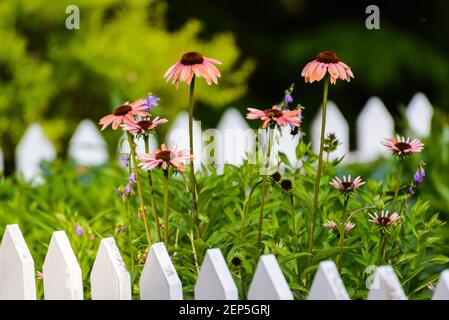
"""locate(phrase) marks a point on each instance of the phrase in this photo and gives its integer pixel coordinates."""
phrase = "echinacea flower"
(402, 147)
(286, 186)
(326, 61)
(127, 111)
(151, 102)
(275, 178)
(383, 219)
(79, 230)
(142, 126)
(193, 64)
(330, 224)
(164, 157)
(275, 115)
(347, 186)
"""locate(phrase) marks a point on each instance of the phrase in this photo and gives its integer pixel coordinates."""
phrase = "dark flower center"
(383, 221)
(402, 146)
(236, 261)
(273, 113)
(347, 185)
(286, 185)
(276, 177)
(191, 58)
(122, 110)
(164, 155)
(145, 124)
(327, 57)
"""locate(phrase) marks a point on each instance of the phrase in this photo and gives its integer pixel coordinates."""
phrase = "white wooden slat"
(419, 114)
(327, 284)
(17, 280)
(374, 124)
(287, 144)
(110, 280)
(442, 289)
(215, 280)
(124, 145)
(268, 282)
(87, 147)
(159, 280)
(178, 134)
(386, 285)
(34, 148)
(336, 123)
(61, 271)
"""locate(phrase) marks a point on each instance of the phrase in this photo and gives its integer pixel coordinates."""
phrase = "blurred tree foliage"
(58, 76)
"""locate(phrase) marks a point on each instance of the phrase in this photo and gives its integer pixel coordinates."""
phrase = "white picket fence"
(110, 279)
(232, 138)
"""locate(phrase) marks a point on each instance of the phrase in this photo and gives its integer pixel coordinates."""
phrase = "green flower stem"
(295, 235)
(246, 208)
(166, 207)
(342, 231)
(192, 165)
(264, 186)
(195, 257)
(132, 147)
(382, 244)
(152, 193)
(318, 175)
(398, 185)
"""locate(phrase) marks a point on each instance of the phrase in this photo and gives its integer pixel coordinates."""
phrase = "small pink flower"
(163, 158)
(402, 147)
(326, 61)
(275, 115)
(330, 224)
(193, 64)
(383, 219)
(347, 185)
(142, 126)
(127, 111)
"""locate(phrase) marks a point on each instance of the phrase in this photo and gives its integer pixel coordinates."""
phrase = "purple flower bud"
(151, 102)
(79, 230)
(410, 190)
(287, 100)
(132, 178)
(418, 177)
(127, 189)
(118, 192)
(124, 160)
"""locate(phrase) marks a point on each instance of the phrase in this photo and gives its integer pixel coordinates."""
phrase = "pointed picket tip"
(442, 289)
(61, 271)
(215, 280)
(178, 134)
(327, 284)
(110, 280)
(159, 280)
(419, 114)
(386, 285)
(29, 158)
(268, 281)
(87, 147)
(335, 123)
(374, 123)
(17, 281)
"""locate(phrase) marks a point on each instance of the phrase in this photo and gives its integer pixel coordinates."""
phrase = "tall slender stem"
(398, 185)
(382, 245)
(166, 207)
(153, 195)
(320, 168)
(246, 207)
(342, 231)
(130, 237)
(264, 186)
(295, 235)
(142, 208)
(192, 165)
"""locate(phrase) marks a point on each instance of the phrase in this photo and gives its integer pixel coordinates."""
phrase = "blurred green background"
(58, 76)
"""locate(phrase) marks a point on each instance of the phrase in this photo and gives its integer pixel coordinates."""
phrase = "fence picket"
(386, 285)
(442, 289)
(419, 114)
(327, 284)
(110, 280)
(214, 280)
(87, 147)
(159, 280)
(29, 158)
(62, 273)
(17, 280)
(268, 282)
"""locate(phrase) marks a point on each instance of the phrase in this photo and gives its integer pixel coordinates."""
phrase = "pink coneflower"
(383, 219)
(142, 126)
(347, 185)
(402, 147)
(326, 61)
(193, 64)
(164, 157)
(127, 111)
(330, 224)
(275, 115)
